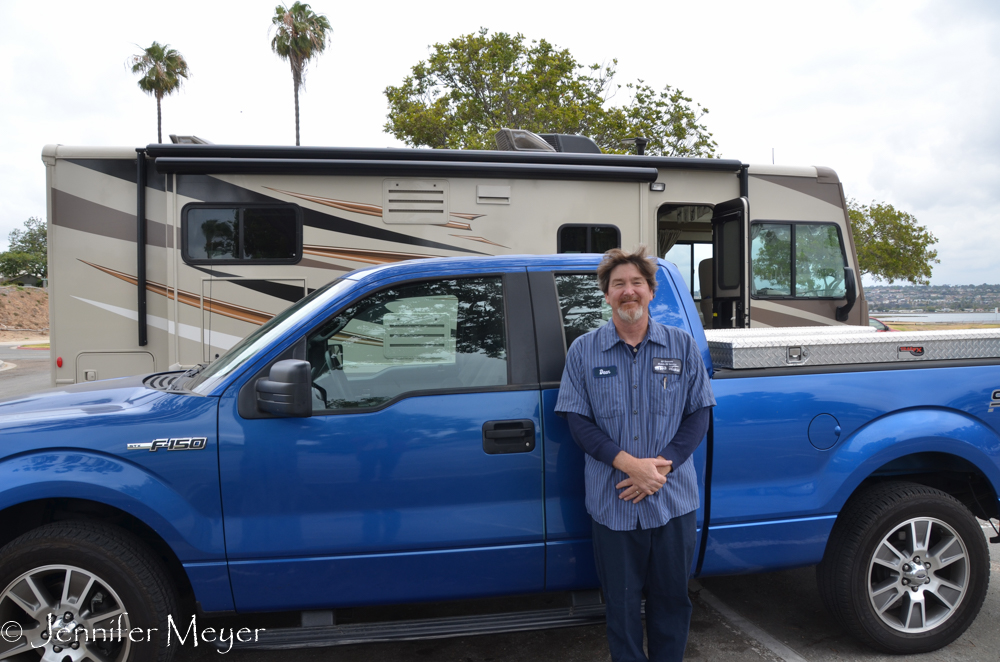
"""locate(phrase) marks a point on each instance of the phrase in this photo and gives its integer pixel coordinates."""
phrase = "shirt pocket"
(666, 383)
(608, 400)
(667, 407)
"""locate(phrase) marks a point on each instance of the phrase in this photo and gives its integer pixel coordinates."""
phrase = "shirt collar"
(607, 335)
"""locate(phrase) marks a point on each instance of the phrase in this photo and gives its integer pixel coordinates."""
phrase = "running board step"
(415, 630)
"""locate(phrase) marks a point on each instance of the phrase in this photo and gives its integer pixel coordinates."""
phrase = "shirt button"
(636, 437)
(635, 411)
(635, 386)
(633, 362)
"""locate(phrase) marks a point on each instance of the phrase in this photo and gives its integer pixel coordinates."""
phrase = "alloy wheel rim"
(918, 575)
(64, 614)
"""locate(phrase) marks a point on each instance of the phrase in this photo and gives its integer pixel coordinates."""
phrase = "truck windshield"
(250, 346)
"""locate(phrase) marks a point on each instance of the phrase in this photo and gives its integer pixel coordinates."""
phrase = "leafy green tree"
(891, 244)
(478, 83)
(28, 251)
(162, 69)
(299, 34)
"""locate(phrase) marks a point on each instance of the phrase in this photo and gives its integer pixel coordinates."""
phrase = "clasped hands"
(645, 475)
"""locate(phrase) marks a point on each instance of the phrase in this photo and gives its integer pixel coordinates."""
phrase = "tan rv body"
(352, 214)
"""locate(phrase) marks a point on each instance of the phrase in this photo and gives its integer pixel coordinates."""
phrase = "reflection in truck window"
(802, 260)
(431, 335)
(581, 303)
(267, 234)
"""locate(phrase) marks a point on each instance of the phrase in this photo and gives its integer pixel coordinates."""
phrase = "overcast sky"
(902, 99)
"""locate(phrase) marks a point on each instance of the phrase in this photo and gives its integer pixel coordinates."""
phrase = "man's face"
(628, 293)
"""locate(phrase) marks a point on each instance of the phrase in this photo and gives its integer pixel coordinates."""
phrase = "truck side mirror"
(852, 295)
(288, 389)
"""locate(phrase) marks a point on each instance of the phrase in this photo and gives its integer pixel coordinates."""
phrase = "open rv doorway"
(684, 237)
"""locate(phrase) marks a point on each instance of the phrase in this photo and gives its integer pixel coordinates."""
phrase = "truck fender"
(193, 535)
(907, 432)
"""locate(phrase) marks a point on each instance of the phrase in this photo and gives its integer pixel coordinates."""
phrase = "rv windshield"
(250, 346)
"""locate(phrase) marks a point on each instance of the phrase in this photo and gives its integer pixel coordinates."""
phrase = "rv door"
(731, 301)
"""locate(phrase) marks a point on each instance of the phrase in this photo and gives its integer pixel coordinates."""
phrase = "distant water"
(931, 318)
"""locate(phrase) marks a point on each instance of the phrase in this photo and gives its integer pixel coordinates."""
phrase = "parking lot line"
(780, 649)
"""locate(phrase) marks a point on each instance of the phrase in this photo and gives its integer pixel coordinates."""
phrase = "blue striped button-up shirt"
(637, 398)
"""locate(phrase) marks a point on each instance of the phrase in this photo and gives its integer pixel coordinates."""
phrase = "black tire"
(107, 571)
(874, 579)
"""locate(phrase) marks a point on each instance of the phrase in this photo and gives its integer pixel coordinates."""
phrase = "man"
(637, 398)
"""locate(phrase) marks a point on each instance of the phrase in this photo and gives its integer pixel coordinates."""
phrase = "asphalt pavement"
(770, 617)
(24, 370)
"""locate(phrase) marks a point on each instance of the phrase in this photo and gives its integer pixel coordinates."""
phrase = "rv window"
(588, 238)
(771, 256)
(269, 234)
(802, 260)
(431, 335)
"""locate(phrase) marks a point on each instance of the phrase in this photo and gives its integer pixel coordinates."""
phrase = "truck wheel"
(906, 568)
(78, 591)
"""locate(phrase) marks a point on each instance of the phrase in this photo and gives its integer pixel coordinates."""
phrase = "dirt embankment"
(24, 313)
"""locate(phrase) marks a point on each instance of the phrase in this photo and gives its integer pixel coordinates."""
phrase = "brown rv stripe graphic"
(482, 239)
(369, 209)
(343, 205)
(241, 313)
(361, 255)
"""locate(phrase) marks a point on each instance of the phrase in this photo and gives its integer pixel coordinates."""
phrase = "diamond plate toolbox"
(785, 348)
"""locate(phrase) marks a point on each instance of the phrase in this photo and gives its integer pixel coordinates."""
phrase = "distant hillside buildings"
(933, 298)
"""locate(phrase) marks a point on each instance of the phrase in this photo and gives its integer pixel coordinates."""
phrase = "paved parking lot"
(774, 616)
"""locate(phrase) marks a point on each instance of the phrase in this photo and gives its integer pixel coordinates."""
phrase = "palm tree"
(162, 69)
(299, 33)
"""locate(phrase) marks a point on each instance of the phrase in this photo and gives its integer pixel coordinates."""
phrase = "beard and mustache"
(632, 315)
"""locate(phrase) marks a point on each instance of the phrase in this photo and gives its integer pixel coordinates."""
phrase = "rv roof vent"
(519, 140)
(188, 140)
(564, 142)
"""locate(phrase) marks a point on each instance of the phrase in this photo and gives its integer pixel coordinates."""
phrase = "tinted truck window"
(426, 336)
(581, 303)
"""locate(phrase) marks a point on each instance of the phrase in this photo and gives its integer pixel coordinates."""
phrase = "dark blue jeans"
(654, 563)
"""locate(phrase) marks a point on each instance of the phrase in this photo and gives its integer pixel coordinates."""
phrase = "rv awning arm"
(140, 242)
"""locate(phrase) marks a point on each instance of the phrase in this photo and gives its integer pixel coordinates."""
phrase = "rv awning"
(388, 168)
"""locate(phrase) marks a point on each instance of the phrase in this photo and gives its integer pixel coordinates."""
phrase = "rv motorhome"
(165, 256)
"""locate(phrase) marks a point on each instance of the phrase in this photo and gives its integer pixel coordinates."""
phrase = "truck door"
(566, 305)
(418, 475)
(730, 299)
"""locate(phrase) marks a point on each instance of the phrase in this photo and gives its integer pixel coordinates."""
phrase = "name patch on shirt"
(667, 366)
(609, 371)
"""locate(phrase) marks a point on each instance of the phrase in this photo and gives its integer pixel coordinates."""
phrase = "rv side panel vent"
(492, 195)
(415, 201)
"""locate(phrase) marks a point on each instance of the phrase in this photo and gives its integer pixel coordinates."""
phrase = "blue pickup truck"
(391, 439)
